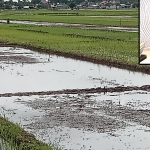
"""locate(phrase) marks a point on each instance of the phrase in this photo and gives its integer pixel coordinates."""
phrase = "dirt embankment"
(103, 61)
(81, 91)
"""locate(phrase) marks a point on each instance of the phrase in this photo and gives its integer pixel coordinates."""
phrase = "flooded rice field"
(128, 29)
(84, 121)
(27, 71)
(79, 121)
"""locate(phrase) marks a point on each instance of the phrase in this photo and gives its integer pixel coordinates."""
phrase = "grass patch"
(75, 16)
(110, 34)
(19, 138)
(86, 12)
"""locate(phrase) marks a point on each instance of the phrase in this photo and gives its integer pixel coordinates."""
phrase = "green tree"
(35, 1)
(1, 4)
(117, 5)
(20, 4)
(72, 5)
(136, 4)
(7, 5)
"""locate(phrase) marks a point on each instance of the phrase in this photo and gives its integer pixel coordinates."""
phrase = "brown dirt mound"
(80, 91)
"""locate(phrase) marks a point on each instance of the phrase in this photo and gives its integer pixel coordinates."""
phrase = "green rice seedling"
(103, 21)
(17, 139)
(124, 50)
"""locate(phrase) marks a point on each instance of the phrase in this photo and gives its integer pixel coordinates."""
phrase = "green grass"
(114, 35)
(55, 39)
(5, 145)
(76, 16)
(88, 12)
(19, 138)
(133, 22)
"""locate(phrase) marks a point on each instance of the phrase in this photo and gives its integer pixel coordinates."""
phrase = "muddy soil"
(81, 91)
(81, 111)
(90, 114)
(14, 57)
(18, 59)
(78, 112)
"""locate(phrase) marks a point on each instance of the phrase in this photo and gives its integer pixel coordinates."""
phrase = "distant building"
(14, 7)
(62, 6)
(125, 5)
(25, 7)
(94, 6)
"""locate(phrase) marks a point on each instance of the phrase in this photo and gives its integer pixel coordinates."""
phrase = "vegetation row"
(18, 138)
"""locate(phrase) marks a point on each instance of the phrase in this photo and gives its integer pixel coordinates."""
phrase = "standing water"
(27, 71)
(105, 121)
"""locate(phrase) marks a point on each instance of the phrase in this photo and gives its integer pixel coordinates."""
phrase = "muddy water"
(74, 121)
(128, 29)
(23, 70)
(60, 120)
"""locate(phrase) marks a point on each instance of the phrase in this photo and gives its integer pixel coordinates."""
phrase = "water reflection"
(40, 115)
(101, 121)
(22, 70)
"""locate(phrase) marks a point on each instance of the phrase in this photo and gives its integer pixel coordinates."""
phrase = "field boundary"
(103, 61)
(81, 91)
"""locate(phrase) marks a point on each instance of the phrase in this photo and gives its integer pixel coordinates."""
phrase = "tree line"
(70, 3)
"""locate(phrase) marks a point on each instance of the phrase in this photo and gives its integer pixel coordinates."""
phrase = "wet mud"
(81, 111)
(75, 113)
(80, 91)
(109, 118)
(18, 59)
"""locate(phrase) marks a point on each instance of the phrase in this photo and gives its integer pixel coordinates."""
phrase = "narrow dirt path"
(80, 91)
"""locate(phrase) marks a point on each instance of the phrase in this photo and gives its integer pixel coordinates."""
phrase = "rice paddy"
(77, 16)
(76, 42)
